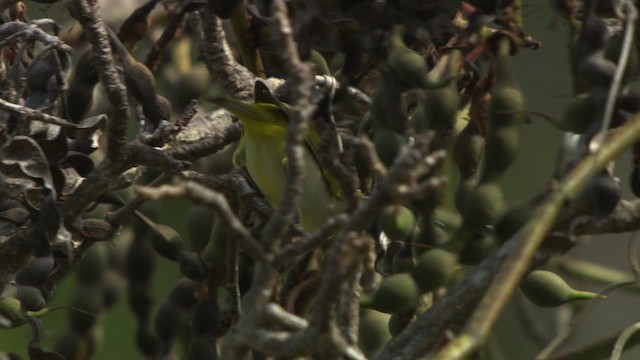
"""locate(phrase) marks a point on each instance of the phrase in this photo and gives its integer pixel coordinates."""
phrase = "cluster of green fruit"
(483, 150)
(479, 196)
(97, 288)
(203, 270)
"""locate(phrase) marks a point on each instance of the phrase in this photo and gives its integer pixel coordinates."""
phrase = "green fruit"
(147, 342)
(514, 218)
(403, 260)
(465, 188)
(111, 287)
(92, 266)
(10, 315)
(36, 272)
(88, 299)
(81, 87)
(167, 324)
(183, 293)
(612, 53)
(206, 318)
(506, 116)
(386, 103)
(378, 107)
(501, 150)
(203, 348)
(215, 253)
(441, 105)
(388, 145)
(373, 332)
(164, 239)
(433, 269)
(71, 345)
(478, 248)
(407, 64)
(603, 194)
(484, 206)
(396, 293)
(397, 222)
(507, 102)
(397, 323)
(199, 223)
(546, 289)
(141, 299)
(468, 149)
(430, 234)
(192, 265)
(578, 114)
(31, 298)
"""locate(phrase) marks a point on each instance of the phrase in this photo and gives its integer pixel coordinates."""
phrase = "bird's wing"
(262, 94)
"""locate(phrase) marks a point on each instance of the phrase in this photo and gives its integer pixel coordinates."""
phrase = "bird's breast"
(264, 162)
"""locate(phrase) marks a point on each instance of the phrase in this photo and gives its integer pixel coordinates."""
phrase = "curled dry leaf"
(25, 152)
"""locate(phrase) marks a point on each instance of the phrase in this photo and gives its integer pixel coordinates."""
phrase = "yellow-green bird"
(261, 152)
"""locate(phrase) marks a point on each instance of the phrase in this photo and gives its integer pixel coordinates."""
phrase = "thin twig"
(32, 114)
(340, 267)
(103, 178)
(354, 92)
(175, 21)
(233, 278)
(614, 90)
(368, 149)
(203, 195)
(633, 255)
(623, 219)
(349, 308)
(596, 350)
(217, 57)
(595, 273)
(93, 26)
(618, 348)
(283, 318)
(302, 80)
(313, 241)
(117, 217)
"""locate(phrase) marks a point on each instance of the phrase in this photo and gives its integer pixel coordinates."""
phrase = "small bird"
(261, 152)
